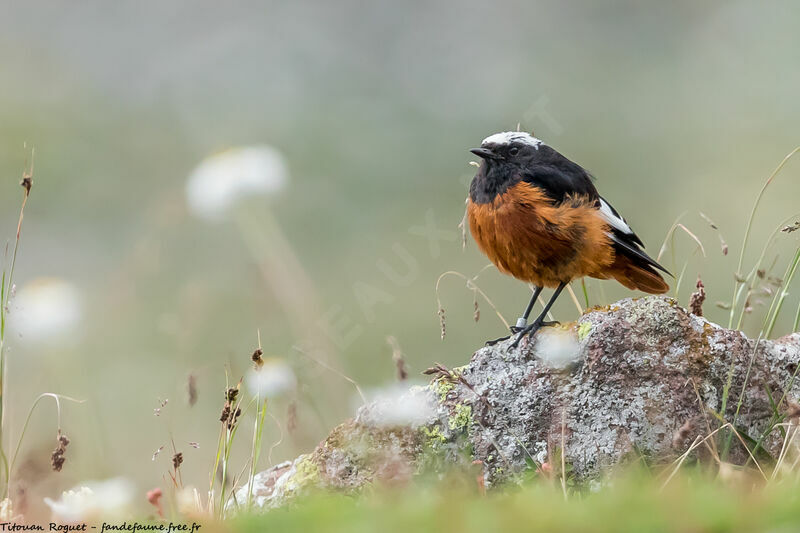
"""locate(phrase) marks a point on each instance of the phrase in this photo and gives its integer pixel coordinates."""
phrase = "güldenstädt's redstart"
(538, 217)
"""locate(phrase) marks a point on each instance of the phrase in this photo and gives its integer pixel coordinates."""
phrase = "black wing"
(558, 177)
(625, 241)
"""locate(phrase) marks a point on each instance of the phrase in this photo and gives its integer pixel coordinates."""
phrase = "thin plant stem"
(6, 286)
(769, 322)
(57, 398)
(783, 293)
(750, 279)
(585, 292)
(258, 430)
(749, 228)
(575, 300)
(472, 286)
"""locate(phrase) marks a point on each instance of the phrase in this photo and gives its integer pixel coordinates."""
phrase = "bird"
(539, 218)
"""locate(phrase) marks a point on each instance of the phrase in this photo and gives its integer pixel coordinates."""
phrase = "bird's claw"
(531, 330)
(514, 331)
(495, 341)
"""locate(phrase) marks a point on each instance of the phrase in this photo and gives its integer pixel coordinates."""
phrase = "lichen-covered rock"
(640, 378)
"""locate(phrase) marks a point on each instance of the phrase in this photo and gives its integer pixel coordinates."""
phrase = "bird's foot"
(531, 330)
(514, 331)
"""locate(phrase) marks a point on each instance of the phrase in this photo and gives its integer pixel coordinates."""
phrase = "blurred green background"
(676, 107)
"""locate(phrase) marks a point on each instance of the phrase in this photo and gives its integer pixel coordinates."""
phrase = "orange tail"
(641, 277)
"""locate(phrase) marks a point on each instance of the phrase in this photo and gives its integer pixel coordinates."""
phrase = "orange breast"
(527, 237)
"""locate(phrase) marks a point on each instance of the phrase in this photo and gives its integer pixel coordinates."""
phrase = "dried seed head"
(442, 321)
(697, 298)
(226, 413)
(398, 357)
(161, 404)
(441, 371)
(27, 183)
(231, 394)
(400, 365)
(477, 311)
(177, 460)
(791, 227)
(257, 359)
(158, 451)
(58, 457)
(234, 418)
(191, 390)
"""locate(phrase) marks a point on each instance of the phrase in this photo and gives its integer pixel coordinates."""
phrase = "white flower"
(274, 378)
(46, 309)
(557, 348)
(220, 180)
(399, 405)
(104, 499)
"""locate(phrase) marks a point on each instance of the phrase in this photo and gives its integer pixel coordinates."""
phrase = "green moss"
(584, 329)
(462, 419)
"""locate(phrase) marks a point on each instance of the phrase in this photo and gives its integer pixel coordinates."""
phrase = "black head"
(513, 156)
(504, 155)
(509, 148)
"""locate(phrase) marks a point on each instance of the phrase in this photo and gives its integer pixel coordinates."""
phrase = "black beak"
(484, 153)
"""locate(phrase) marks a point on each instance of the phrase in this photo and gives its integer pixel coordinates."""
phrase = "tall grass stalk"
(766, 329)
(258, 433)
(738, 282)
(224, 448)
(784, 292)
(57, 398)
(585, 292)
(751, 276)
(6, 289)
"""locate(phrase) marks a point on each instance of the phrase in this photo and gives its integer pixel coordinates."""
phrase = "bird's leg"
(540, 321)
(521, 321)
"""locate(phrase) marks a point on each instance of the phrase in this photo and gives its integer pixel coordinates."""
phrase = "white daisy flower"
(223, 179)
(103, 499)
(275, 378)
(399, 405)
(46, 309)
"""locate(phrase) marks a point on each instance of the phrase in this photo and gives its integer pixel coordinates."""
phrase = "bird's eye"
(513, 150)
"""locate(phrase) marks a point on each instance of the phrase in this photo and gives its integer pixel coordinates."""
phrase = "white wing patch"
(616, 221)
(507, 137)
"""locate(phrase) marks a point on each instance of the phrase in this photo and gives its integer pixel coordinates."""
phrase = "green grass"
(634, 502)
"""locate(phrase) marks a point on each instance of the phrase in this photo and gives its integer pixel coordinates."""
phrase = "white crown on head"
(507, 137)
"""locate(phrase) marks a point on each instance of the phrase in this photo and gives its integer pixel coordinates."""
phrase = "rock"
(639, 379)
